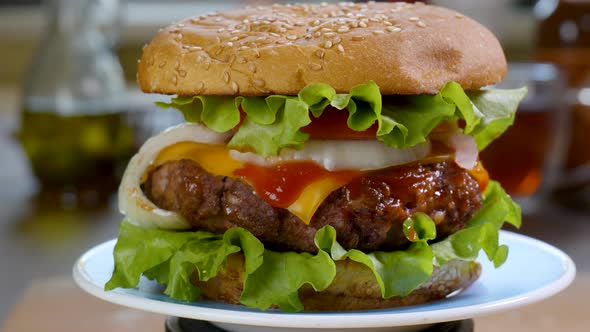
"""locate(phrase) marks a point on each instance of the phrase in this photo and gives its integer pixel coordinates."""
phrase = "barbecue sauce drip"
(280, 185)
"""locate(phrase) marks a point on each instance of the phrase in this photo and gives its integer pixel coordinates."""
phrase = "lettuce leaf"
(274, 278)
(274, 122)
(481, 232)
(171, 257)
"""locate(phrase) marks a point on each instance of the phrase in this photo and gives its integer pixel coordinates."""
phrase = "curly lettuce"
(274, 122)
(274, 278)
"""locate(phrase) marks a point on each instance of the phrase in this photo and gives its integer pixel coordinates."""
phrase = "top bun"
(279, 49)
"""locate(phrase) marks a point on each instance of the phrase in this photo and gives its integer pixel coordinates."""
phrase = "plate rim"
(356, 319)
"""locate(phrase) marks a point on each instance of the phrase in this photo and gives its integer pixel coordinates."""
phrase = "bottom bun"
(354, 287)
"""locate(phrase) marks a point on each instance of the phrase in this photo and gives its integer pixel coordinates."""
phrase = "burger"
(329, 159)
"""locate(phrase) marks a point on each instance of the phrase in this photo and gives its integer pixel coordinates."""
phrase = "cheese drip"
(216, 159)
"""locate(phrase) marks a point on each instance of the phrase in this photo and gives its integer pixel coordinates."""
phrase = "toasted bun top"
(279, 49)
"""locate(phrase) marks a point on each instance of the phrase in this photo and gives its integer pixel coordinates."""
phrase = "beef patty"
(367, 213)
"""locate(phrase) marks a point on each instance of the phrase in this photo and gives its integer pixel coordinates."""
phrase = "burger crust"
(404, 48)
(354, 287)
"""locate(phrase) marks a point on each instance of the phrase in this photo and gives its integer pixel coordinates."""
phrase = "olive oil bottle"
(74, 126)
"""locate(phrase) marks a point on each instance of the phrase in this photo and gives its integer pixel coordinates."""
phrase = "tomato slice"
(332, 125)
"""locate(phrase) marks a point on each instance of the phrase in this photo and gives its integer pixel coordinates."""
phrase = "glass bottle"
(563, 37)
(73, 121)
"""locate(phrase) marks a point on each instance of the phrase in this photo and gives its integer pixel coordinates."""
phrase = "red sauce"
(280, 185)
(387, 181)
(332, 124)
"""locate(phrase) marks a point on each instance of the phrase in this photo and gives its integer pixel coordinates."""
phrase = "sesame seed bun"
(279, 49)
(354, 287)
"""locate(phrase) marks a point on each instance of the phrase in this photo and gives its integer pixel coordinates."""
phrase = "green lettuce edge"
(272, 123)
(274, 278)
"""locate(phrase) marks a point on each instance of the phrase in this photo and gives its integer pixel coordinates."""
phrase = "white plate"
(534, 271)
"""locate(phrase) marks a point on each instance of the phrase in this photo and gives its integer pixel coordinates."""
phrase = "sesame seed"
(328, 44)
(393, 29)
(387, 23)
(226, 76)
(378, 32)
(291, 37)
(330, 34)
(315, 66)
(421, 24)
(259, 82)
(235, 87)
(244, 47)
(459, 16)
(362, 24)
(320, 53)
(274, 34)
(413, 19)
(317, 34)
(200, 86)
(252, 67)
(341, 48)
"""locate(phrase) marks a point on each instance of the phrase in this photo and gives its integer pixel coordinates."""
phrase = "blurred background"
(71, 115)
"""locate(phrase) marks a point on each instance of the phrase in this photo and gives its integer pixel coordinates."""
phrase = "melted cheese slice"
(216, 159)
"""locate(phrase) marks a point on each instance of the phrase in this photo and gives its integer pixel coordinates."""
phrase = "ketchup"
(280, 185)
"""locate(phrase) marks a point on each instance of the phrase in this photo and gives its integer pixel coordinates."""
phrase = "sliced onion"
(132, 201)
(466, 152)
(343, 154)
